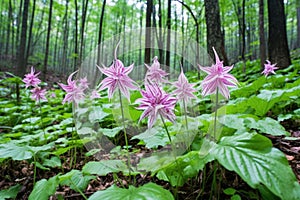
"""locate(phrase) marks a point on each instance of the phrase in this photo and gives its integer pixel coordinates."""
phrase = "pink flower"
(31, 78)
(156, 102)
(269, 68)
(74, 93)
(217, 78)
(95, 94)
(117, 77)
(38, 94)
(184, 90)
(155, 74)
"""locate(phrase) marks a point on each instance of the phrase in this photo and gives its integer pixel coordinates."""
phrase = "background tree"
(262, 42)
(148, 32)
(215, 38)
(22, 62)
(277, 44)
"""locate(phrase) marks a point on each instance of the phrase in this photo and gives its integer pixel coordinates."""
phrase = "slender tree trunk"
(65, 37)
(262, 40)
(215, 38)
(18, 27)
(47, 41)
(30, 30)
(21, 67)
(84, 12)
(100, 32)
(9, 25)
(76, 37)
(168, 37)
(148, 32)
(298, 23)
(277, 44)
(160, 34)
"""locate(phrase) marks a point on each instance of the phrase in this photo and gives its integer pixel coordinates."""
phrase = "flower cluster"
(31, 79)
(155, 102)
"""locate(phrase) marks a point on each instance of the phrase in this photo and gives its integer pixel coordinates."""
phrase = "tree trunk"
(100, 32)
(21, 67)
(277, 44)
(9, 25)
(215, 38)
(84, 11)
(160, 34)
(76, 36)
(298, 23)
(262, 41)
(47, 41)
(30, 30)
(168, 37)
(148, 32)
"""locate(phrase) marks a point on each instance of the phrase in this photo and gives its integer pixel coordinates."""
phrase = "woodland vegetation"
(79, 120)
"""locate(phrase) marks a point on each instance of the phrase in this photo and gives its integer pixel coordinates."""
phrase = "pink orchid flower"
(38, 94)
(184, 90)
(156, 102)
(117, 77)
(74, 93)
(31, 78)
(155, 74)
(217, 78)
(269, 68)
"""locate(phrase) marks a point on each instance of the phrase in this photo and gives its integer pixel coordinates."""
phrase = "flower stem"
(216, 113)
(185, 114)
(124, 130)
(166, 128)
(42, 124)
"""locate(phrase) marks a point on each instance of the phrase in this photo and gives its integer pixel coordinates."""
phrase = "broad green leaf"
(269, 126)
(52, 162)
(185, 167)
(149, 191)
(111, 132)
(97, 114)
(10, 193)
(11, 150)
(153, 137)
(104, 167)
(76, 180)
(43, 189)
(252, 157)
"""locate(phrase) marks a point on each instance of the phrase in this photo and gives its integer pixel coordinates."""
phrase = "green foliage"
(10, 193)
(104, 167)
(252, 157)
(149, 191)
(43, 189)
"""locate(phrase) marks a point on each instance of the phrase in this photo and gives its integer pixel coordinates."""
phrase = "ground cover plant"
(155, 139)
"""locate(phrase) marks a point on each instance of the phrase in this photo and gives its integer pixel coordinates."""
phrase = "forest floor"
(22, 171)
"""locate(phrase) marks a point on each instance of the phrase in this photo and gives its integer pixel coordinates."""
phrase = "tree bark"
(47, 41)
(277, 44)
(215, 38)
(148, 31)
(30, 30)
(21, 67)
(298, 23)
(262, 40)
(168, 37)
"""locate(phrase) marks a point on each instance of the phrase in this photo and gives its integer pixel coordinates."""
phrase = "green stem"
(41, 121)
(124, 130)
(166, 128)
(34, 170)
(185, 114)
(216, 113)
